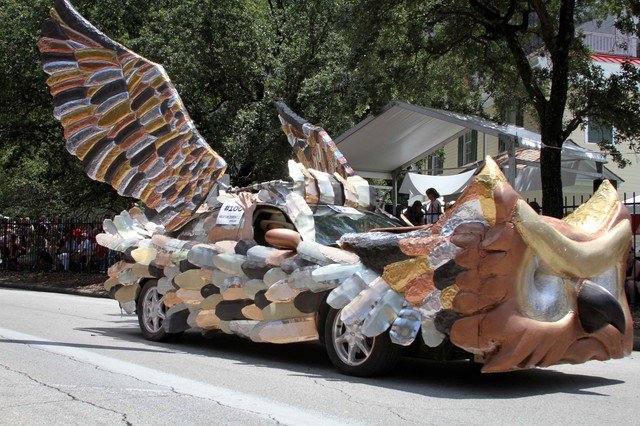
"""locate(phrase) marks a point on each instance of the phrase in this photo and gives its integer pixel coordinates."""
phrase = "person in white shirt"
(84, 250)
(67, 247)
(434, 209)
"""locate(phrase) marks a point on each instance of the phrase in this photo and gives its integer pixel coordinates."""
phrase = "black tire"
(354, 354)
(151, 313)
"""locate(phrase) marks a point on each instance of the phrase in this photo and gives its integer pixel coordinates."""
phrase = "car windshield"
(334, 221)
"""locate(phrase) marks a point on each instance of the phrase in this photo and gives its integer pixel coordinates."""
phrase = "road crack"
(350, 397)
(72, 397)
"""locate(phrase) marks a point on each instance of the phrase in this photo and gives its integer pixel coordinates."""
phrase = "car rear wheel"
(355, 354)
(151, 313)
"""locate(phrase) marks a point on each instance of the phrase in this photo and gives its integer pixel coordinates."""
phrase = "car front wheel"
(355, 354)
(151, 313)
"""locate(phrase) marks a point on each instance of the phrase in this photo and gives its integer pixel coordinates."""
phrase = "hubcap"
(153, 310)
(352, 347)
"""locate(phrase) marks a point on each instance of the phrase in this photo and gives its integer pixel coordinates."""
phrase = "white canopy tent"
(578, 164)
(382, 146)
(417, 184)
(527, 179)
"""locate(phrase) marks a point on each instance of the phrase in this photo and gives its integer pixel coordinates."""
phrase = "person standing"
(84, 250)
(434, 209)
(67, 246)
(15, 250)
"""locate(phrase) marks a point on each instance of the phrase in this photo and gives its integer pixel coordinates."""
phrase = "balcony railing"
(613, 44)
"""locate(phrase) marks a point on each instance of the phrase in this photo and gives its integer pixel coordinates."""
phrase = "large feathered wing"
(313, 146)
(124, 119)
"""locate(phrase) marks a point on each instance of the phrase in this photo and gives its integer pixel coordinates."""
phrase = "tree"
(216, 52)
(333, 61)
(37, 175)
(229, 59)
(499, 38)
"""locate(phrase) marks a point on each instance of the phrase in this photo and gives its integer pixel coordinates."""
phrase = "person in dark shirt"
(415, 214)
(535, 206)
(15, 251)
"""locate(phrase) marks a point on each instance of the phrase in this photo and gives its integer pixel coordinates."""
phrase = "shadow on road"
(79, 345)
(458, 380)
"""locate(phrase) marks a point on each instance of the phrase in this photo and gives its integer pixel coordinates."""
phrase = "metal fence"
(53, 245)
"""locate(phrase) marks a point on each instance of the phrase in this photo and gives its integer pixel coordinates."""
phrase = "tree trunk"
(551, 179)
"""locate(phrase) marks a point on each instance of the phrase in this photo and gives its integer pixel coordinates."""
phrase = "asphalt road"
(76, 360)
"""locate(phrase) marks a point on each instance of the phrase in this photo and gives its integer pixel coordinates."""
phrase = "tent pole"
(511, 152)
(394, 192)
(485, 145)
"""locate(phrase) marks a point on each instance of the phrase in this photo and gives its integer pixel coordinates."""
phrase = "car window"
(332, 224)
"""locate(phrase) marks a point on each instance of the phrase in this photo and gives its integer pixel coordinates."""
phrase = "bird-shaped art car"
(309, 258)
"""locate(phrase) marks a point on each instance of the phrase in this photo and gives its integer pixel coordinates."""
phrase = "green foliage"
(493, 42)
(37, 175)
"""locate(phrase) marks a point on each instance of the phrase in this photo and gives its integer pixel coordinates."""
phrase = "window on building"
(519, 118)
(598, 132)
(515, 117)
(435, 164)
(502, 143)
(468, 148)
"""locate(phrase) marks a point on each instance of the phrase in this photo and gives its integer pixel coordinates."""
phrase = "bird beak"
(597, 308)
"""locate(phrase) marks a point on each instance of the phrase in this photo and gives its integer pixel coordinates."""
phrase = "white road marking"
(261, 407)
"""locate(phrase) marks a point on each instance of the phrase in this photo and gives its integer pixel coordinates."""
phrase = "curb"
(61, 290)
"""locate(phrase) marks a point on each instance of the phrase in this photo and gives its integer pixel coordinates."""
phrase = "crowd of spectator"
(53, 245)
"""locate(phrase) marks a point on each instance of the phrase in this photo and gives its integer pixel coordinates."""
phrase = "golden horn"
(566, 257)
(592, 215)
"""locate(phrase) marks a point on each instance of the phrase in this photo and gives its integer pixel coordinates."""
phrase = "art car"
(309, 258)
